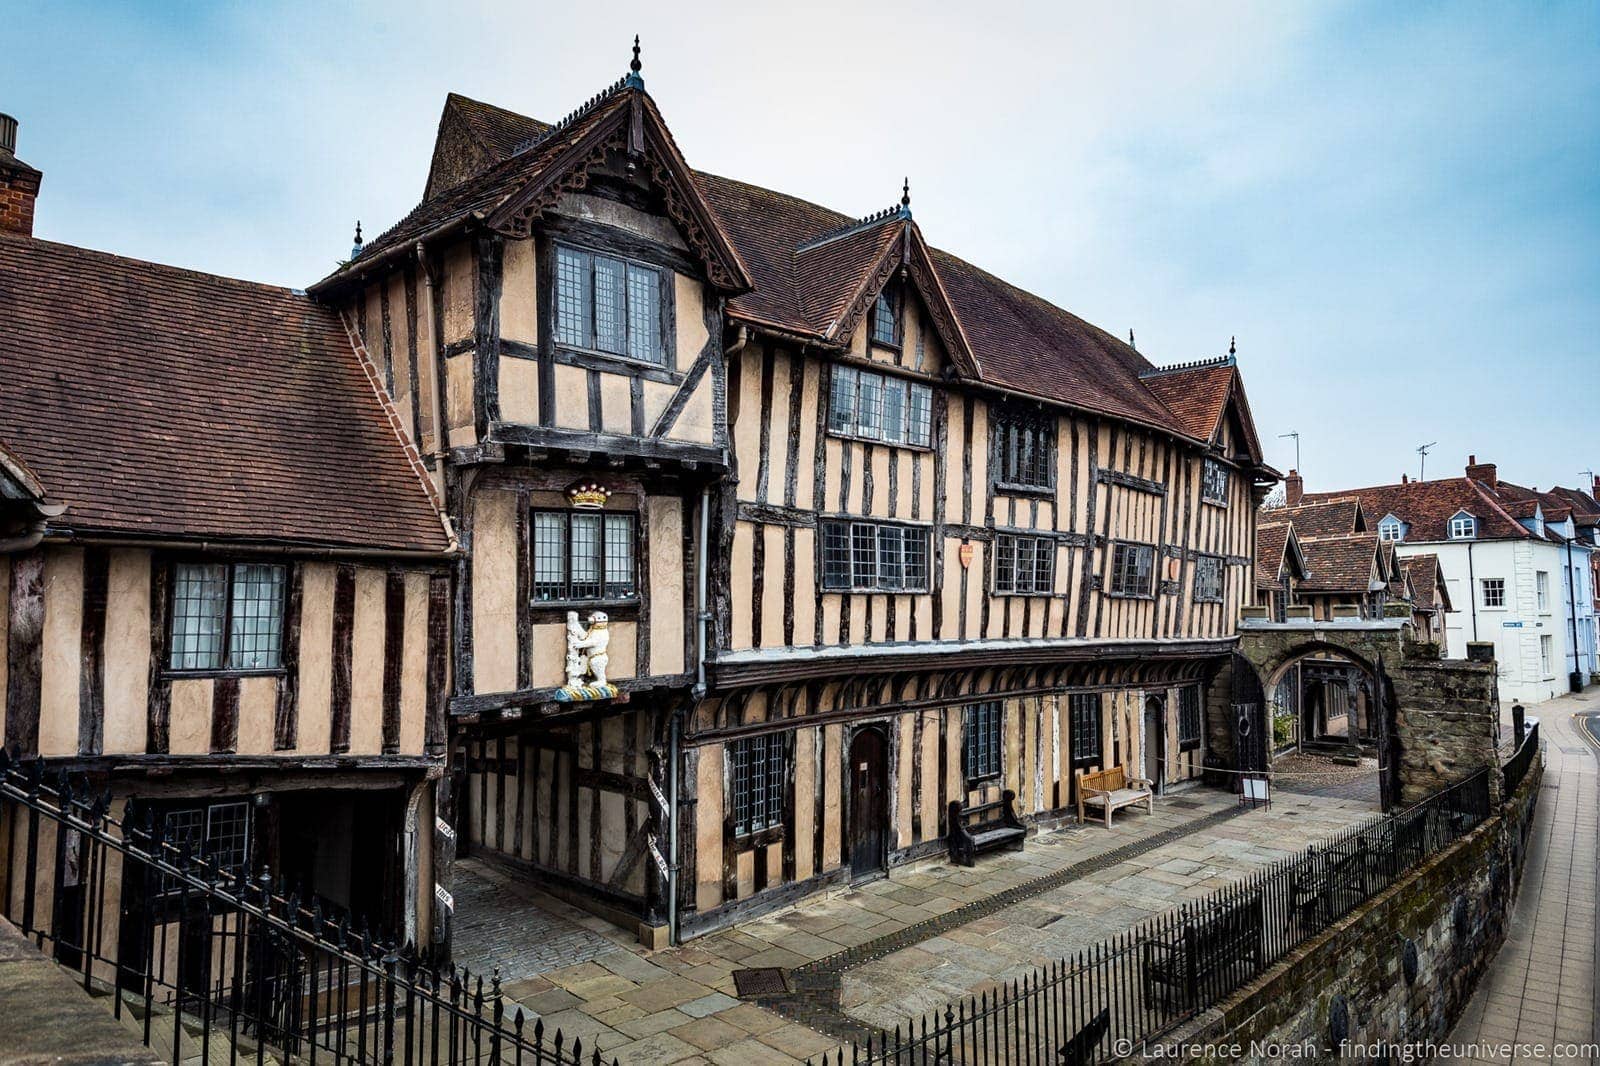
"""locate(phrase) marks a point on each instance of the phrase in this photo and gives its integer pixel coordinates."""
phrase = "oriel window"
(609, 305)
(584, 555)
(227, 616)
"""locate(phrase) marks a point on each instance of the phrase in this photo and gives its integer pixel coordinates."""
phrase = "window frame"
(1186, 741)
(1391, 524)
(1500, 593)
(886, 295)
(1541, 590)
(1209, 465)
(1078, 705)
(983, 764)
(166, 887)
(776, 756)
(852, 526)
(1222, 579)
(1547, 655)
(665, 289)
(228, 563)
(1015, 540)
(1113, 573)
(1459, 522)
(912, 413)
(1007, 423)
(568, 600)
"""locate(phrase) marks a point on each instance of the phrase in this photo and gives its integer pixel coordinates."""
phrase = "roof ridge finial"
(905, 198)
(634, 80)
(355, 249)
(1233, 345)
(1131, 343)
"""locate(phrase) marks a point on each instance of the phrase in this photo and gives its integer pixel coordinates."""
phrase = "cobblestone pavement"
(678, 1005)
(1321, 775)
(1540, 989)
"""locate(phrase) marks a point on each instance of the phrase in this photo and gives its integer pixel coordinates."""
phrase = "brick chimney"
(1294, 488)
(1484, 472)
(19, 183)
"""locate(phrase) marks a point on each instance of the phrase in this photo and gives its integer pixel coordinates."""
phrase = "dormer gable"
(1463, 525)
(1391, 528)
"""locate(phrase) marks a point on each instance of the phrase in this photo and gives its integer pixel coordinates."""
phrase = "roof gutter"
(70, 536)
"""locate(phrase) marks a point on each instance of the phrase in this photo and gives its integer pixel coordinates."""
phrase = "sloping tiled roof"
(1340, 564)
(1326, 518)
(1427, 507)
(1427, 583)
(1019, 340)
(154, 401)
(1557, 504)
(1270, 542)
(1197, 395)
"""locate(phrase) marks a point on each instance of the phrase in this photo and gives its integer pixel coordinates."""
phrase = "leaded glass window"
(1132, 567)
(980, 742)
(1024, 565)
(1083, 711)
(1024, 450)
(1208, 578)
(1214, 482)
(757, 775)
(227, 616)
(1189, 719)
(874, 556)
(584, 555)
(863, 403)
(884, 329)
(609, 305)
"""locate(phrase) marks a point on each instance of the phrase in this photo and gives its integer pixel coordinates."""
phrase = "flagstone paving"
(1540, 989)
(579, 973)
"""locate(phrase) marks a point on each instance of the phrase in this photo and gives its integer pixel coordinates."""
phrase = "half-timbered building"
(873, 532)
(224, 589)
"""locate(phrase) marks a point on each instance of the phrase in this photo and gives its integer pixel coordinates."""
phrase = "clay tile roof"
(1426, 583)
(1327, 518)
(1196, 395)
(1018, 340)
(1340, 564)
(154, 401)
(1521, 508)
(1270, 542)
(1427, 507)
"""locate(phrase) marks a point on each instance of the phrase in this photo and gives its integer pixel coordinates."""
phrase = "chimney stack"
(19, 183)
(1484, 472)
(1294, 488)
(1405, 479)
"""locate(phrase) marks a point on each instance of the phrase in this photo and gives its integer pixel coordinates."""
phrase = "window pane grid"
(1084, 713)
(572, 297)
(862, 403)
(584, 556)
(1024, 450)
(760, 768)
(610, 330)
(644, 314)
(1208, 578)
(1189, 715)
(981, 726)
(1131, 567)
(257, 629)
(1214, 481)
(199, 609)
(883, 319)
(874, 558)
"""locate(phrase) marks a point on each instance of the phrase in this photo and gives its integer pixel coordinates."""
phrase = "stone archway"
(1438, 718)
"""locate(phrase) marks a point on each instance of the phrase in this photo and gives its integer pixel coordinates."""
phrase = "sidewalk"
(1540, 989)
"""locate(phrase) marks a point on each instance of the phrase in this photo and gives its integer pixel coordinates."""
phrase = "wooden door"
(869, 804)
(1155, 741)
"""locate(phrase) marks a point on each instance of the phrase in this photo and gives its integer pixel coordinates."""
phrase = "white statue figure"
(577, 661)
(595, 643)
(586, 650)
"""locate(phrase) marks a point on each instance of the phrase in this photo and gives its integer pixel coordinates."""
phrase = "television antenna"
(1423, 465)
(1296, 437)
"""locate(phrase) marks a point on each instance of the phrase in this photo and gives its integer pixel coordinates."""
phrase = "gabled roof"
(1204, 395)
(158, 402)
(1345, 564)
(1324, 518)
(1427, 507)
(1428, 586)
(1277, 547)
(809, 272)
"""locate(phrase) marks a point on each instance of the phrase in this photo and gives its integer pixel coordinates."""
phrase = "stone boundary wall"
(1398, 969)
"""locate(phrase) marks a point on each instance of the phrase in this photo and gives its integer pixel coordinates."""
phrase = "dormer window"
(1463, 526)
(1391, 529)
(885, 321)
(609, 305)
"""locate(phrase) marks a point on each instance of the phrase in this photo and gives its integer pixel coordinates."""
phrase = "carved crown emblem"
(588, 496)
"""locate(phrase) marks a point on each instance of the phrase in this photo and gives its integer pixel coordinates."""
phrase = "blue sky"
(1395, 207)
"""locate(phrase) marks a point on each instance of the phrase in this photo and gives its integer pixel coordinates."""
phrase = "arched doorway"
(869, 804)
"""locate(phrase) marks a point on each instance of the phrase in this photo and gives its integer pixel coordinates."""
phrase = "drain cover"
(766, 981)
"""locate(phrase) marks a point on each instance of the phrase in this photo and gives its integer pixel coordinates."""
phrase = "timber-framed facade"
(869, 531)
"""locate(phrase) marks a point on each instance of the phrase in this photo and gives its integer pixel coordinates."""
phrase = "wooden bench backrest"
(1104, 780)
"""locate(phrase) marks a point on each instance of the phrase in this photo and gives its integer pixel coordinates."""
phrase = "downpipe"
(675, 741)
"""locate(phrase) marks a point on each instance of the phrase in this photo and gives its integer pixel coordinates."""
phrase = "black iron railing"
(1137, 985)
(1516, 767)
(206, 961)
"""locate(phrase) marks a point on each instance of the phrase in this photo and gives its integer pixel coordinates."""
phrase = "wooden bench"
(984, 827)
(1206, 949)
(1112, 790)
